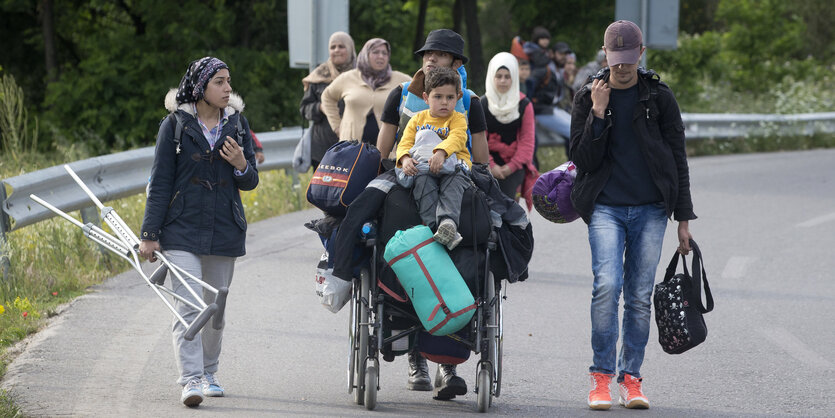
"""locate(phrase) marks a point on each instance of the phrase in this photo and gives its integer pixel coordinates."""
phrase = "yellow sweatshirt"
(452, 130)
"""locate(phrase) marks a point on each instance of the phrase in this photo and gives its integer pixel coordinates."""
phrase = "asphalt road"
(766, 226)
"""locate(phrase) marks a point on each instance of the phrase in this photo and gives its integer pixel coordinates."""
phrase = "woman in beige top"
(364, 91)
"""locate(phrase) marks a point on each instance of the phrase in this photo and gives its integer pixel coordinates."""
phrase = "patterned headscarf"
(194, 81)
(372, 77)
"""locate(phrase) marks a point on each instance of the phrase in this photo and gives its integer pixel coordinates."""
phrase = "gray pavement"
(766, 226)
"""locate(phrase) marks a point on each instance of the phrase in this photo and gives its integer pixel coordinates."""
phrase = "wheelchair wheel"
(361, 350)
(499, 343)
(353, 329)
(494, 336)
(484, 392)
(371, 388)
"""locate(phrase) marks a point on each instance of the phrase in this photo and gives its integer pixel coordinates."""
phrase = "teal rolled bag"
(439, 294)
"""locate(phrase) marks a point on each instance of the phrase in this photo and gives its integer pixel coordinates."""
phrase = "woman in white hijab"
(510, 128)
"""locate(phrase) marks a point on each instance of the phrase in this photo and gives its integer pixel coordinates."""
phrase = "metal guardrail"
(109, 177)
(728, 125)
(123, 174)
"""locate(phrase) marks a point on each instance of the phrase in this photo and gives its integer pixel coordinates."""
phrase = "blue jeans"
(625, 250)
(559, 122)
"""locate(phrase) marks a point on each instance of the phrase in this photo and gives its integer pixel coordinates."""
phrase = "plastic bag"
(332, 291)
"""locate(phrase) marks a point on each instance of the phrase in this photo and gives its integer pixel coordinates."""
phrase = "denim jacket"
(194, 203)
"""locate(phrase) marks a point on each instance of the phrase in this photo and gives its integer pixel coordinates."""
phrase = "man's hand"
(259, 157)
(233, 153)
(599, 97)
(408, 165)
(437, 161)
(147, 248)
(684, 237)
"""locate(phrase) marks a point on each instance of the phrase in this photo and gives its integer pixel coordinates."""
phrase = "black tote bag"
(678, 304)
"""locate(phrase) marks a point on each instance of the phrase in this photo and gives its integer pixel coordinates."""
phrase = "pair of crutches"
(126, 245)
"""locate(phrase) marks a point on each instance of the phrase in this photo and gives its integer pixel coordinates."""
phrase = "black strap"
(178, 130)
(699, 276)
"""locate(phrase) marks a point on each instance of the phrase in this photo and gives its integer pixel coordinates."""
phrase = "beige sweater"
(359, 99)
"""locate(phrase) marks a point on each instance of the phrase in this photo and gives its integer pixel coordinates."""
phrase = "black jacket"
(322, 136)
(194, 203)
(660, 132)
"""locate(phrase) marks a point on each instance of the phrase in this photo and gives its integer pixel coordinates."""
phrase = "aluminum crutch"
(158, 277)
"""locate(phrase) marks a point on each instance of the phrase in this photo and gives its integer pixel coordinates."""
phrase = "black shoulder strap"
(239, 131)
(178, 130)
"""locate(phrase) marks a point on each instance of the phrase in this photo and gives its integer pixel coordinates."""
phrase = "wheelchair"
(373, 310)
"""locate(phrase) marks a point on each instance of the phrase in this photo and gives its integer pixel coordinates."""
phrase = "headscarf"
(197, 76)
(327, 71)
(503, 106)
(372, 77)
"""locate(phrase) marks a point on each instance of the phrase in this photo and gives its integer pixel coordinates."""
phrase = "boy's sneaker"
(211, 386)
(599, 396)
(447, 234)
(631, 395)
(192, 395)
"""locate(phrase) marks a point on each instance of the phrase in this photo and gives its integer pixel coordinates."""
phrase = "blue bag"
(439, 294)
(345, 170)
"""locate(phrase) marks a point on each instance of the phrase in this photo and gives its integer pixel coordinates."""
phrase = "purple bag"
(552, 194)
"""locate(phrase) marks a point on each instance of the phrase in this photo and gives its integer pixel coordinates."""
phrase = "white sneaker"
(192, 395)
(211, 386)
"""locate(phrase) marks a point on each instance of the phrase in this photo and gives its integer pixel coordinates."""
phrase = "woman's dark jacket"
(660, 133)
(322, 136)
(194, 203)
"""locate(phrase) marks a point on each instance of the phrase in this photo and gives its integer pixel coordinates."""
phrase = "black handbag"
(678, 305)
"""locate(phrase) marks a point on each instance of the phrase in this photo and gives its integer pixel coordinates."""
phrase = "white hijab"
(504, 107)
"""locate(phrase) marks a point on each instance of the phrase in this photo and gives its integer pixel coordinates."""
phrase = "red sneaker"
(631, 395)
(599, 396)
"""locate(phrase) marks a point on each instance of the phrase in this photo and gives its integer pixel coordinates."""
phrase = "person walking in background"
(632, 175)
(364, 91)
(342, 57)
(510, 128)
(212, 161)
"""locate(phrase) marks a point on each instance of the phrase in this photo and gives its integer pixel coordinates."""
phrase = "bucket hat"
(444, 40)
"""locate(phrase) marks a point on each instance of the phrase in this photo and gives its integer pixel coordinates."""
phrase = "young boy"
(433, 150)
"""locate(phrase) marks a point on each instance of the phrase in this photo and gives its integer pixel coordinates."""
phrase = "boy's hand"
(497, 172)
(408, 165)
(437, 161)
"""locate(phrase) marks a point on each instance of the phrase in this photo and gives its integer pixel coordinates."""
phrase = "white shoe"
(192, 395)
(211, 386)
(447, 234)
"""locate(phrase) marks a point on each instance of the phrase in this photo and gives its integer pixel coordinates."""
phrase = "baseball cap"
(623, 41)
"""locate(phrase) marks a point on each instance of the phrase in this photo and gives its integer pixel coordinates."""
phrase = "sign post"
(658, 20)
(310, 24)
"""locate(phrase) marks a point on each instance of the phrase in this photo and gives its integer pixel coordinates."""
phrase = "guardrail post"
(90, 214)
(5, 226)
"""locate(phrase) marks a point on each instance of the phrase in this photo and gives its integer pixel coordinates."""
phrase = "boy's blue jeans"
(625, 250)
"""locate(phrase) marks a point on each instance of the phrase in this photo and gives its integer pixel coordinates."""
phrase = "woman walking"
(194, 212)
(364, 91)
(342, 57)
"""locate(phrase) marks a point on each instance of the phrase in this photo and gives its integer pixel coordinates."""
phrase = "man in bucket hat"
(443, 48)
(627, 142)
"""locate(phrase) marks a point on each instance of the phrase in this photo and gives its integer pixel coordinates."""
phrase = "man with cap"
(627, 141)
(443, 48)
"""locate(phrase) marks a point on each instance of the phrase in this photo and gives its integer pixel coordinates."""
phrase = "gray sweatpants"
(201, 354)
(440, 197)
